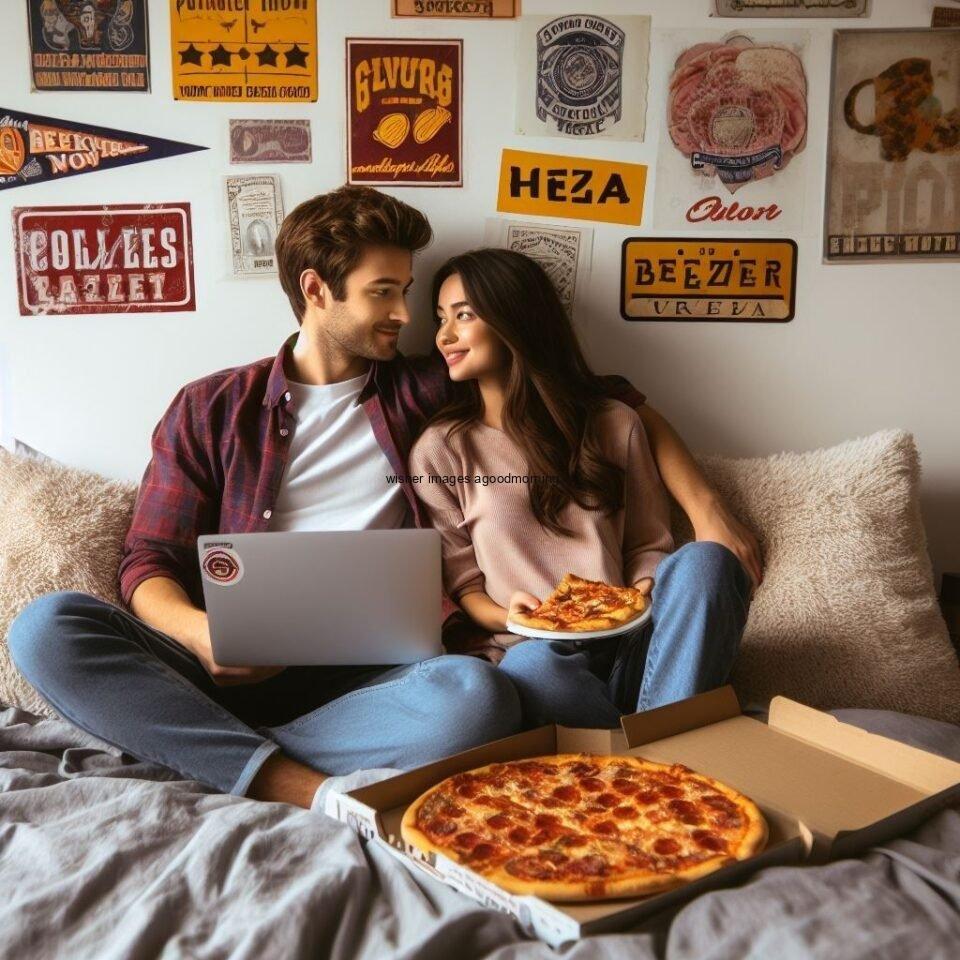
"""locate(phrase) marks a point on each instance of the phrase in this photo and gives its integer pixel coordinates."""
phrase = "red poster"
(133, 258)
(404, 112)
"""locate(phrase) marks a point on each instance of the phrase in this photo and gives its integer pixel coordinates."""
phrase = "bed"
(103, 856)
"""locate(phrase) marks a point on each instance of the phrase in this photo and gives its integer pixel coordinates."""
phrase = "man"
(301, 441)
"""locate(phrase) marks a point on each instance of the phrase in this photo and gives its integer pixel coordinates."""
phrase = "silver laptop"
(326, 597)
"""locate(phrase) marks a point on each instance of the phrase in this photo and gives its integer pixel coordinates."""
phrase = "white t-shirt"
(335, 475)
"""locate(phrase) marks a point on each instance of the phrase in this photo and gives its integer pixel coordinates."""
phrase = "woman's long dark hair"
(552, 396)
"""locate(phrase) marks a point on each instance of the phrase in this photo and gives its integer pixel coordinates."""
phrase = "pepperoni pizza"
(580, 605)
(582, 827)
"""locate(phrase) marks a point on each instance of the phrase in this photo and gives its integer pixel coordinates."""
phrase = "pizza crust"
(638, 882)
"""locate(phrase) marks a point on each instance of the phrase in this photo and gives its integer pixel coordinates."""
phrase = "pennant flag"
(35, 149)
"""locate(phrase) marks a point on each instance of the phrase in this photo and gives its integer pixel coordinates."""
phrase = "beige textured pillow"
(60, 529)
(846, 615)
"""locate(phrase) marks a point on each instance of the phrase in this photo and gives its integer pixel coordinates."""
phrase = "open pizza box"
(826, 789)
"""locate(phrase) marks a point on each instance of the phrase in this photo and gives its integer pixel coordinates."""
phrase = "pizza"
(579, 604)
(584, 827)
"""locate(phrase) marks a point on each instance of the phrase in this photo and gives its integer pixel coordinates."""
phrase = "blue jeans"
(115, 677)
(700, 601)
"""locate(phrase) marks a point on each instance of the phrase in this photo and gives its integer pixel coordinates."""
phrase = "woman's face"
(471, 347)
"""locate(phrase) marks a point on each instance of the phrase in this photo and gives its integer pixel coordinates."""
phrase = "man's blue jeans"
(701, 596)
(115, 677)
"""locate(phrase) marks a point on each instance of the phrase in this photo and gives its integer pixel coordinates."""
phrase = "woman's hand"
(645, 586)
(521, 602)
(721, 526)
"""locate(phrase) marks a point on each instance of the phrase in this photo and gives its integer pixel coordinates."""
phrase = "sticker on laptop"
(222, 565)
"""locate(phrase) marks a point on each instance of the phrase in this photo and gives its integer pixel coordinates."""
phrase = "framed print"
(736, 117)
(583, 76)
(404, 112)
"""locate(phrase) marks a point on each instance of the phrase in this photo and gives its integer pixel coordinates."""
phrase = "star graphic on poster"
(190, 55)
(297, 57)
(268, 56)
(220, 55)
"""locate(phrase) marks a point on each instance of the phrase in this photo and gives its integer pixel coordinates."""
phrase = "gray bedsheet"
(104, 857)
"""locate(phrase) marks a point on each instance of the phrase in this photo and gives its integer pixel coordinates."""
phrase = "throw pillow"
(847, 615)
(60, 529)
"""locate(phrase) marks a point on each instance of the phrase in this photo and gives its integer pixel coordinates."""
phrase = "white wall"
(872, 346)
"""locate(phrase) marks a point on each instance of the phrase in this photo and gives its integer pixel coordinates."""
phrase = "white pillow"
(847, 615)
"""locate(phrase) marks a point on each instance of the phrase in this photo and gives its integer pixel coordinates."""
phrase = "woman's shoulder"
(615, 416)
(434, 444)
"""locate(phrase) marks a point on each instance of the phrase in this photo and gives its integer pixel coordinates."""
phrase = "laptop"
(325, 597)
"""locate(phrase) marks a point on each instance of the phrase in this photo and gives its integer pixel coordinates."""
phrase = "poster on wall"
(893, 155)
(563, 252)
(404, 112)
(89, 45)
(254, 214)
(35, 149)
(547, 185)
(457, 9)
(270, 141)
(126, 258)
(692, 278)
(583, 76)
(736, 116)
(790, 8)
(244, 50)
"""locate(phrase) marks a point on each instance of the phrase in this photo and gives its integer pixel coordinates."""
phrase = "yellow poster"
(547, 185)
(697, 278)
(244, 50)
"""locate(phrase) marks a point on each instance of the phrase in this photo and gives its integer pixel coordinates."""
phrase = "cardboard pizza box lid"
(841, 782)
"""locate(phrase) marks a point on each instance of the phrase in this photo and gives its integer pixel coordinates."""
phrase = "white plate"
(580, 634)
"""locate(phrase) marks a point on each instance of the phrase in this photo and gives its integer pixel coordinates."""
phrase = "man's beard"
(358, 338)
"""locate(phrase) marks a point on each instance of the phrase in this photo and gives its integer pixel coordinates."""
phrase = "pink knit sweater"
(493, 542)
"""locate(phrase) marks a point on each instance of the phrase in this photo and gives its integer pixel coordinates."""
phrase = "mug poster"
(736, 118)
(87, 45)
(583, 76)
(457, 9)
(893, 155)
(564, 252)
(791, 8)
(133, 258)
(254, 51)
(404, 112)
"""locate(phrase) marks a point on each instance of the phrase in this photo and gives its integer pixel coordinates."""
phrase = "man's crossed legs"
(115, 677)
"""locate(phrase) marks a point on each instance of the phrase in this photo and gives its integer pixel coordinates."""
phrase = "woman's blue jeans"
(701, 596)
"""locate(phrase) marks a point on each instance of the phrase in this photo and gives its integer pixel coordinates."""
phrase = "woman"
(533, 473)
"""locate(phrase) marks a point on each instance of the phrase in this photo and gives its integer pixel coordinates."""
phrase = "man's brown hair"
(328, 234)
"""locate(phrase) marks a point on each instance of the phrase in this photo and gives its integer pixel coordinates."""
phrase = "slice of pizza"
(579, 605)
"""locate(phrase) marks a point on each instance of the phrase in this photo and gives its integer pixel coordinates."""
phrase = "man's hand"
(721, 526)
(229, 676)
(521, 602)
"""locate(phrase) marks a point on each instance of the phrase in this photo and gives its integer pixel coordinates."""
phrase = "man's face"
(367, 322)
